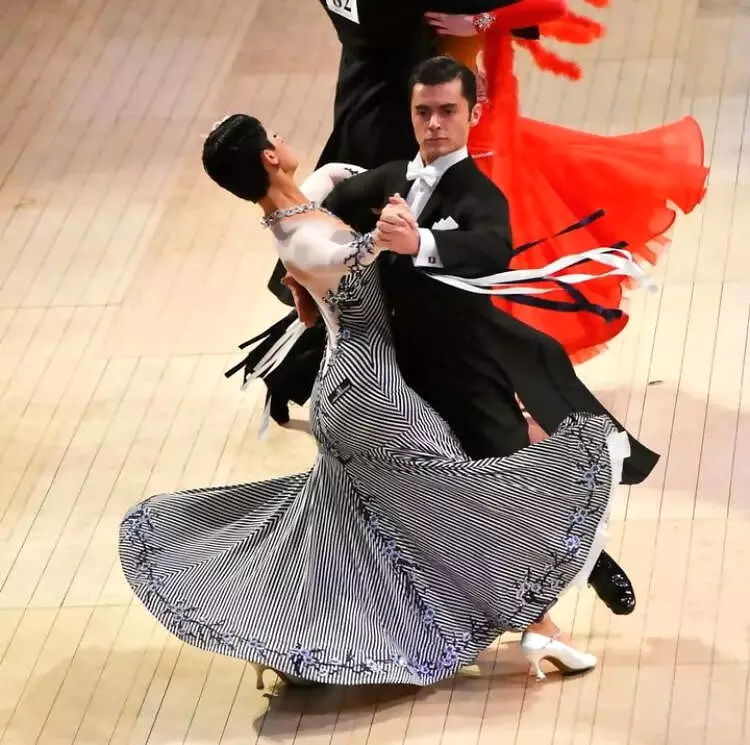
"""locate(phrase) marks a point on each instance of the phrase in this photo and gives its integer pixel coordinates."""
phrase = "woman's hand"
(307, 309)
(397, 229)
(446, 24)
(396, 211)
(536, 433)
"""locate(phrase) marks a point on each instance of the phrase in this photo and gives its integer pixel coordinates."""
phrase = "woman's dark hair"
(439, 70)
(232, 157)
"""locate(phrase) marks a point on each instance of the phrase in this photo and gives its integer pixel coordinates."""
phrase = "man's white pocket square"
(445, 223)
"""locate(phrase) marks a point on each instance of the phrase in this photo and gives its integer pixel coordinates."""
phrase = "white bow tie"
(427, 174)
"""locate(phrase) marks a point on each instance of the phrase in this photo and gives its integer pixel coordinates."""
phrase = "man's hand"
(307, 309)
(397, 228)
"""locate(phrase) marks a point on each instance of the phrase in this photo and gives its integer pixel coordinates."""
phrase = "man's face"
(441, 118)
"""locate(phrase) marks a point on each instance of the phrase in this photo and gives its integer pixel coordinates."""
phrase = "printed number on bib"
(345, 8)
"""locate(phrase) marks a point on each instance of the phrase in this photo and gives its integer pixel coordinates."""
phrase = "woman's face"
(287, 160)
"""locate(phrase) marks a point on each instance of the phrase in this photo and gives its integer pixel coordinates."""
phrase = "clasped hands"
(397, 228)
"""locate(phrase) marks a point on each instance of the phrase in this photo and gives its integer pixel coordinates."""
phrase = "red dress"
(555, 177)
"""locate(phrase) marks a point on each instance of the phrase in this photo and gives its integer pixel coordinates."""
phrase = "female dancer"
(611, 189)
(395, 559)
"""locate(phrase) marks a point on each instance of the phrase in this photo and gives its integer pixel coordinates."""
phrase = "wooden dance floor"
(126, 280)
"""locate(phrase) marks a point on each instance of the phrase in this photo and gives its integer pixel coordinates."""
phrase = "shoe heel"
(535, 660)
(288, 680)
(259, 672)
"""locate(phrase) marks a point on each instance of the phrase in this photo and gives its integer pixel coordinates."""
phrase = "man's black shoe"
(279, 410)
(612, 586)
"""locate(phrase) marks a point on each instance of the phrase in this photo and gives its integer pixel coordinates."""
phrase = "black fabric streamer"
(579, 225)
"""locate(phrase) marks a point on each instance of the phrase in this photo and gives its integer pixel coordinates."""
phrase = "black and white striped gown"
(395, 559)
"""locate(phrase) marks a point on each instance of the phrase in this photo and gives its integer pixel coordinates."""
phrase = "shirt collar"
(444, 162)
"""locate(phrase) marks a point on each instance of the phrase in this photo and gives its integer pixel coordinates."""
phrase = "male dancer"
(381, 42)
(459, 353)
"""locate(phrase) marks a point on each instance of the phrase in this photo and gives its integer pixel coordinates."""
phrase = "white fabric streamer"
(620, 260)
(277, 353)
(269, 362)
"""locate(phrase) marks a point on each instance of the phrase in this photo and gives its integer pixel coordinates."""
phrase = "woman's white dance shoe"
(567, 660)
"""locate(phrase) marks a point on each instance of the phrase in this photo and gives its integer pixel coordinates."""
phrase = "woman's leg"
(545, 626)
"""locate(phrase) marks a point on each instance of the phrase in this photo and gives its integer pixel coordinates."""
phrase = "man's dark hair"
(439, 70)
(232, 157)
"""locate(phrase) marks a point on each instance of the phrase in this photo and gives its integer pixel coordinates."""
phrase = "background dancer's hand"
(307, 309)
(446, 24)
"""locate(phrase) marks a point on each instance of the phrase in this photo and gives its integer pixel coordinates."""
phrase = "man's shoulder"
(468, 173)
(465, 181)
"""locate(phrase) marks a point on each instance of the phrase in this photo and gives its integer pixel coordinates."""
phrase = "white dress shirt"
(427, 178)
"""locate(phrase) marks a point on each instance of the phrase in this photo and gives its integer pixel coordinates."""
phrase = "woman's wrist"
(482, 21)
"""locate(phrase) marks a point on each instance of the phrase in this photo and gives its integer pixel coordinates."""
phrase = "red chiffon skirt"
(554, 177)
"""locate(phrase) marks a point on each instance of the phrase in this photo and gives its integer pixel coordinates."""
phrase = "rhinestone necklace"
(298, 209)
